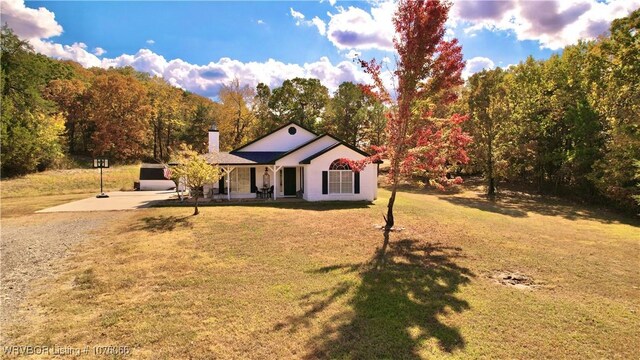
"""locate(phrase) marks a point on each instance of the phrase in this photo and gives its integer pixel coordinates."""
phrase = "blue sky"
(201, 45)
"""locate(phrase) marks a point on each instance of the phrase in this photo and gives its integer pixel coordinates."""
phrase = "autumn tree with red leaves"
(420, 141)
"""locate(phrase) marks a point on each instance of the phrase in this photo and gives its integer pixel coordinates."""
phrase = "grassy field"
(24, 195)
(298, 281)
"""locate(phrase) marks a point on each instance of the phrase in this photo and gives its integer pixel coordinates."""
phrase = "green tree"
(166, 115)
(196, 172)
(301, 100)
(69, 95)
(528, 112)
(489, 112)
(198, 115)
(29, 128)
(264, 122)
(616, 96)
(348, 114)
(374, 112)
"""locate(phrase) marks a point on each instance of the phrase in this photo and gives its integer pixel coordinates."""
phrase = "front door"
(289, 181)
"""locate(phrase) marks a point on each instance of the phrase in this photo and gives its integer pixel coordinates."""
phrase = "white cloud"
(477, 64)
(316, 21)
(320, 25)
(553, 23)
(296, 15)
(150, 41)
(208, 79)
(29, 23)
(76, 52)
(261, 22)
(352, 54)
(355, 28)
(99, 51)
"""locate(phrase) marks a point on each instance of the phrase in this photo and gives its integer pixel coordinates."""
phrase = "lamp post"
(101, 163)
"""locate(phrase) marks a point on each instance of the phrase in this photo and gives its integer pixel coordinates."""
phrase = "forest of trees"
(569, 124)
(52, 110)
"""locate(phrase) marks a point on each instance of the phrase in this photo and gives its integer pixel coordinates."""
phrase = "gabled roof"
(269, 133)
(326, 150)
(238, 157)
(260, 157)
(306, 144)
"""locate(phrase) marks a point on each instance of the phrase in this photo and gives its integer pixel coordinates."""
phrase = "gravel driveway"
(32, 247)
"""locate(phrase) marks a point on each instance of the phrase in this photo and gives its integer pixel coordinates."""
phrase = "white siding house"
(292, 161)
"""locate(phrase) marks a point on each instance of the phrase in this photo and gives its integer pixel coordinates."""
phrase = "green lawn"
(298, 281)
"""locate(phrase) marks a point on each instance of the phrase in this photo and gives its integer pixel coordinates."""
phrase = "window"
(340, 178)
(241, 180)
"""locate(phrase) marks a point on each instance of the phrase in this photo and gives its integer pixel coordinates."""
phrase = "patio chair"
(259, 194)
(270, 192)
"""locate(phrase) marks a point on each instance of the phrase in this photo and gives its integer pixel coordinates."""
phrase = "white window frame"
(235, 180)
(340, 181)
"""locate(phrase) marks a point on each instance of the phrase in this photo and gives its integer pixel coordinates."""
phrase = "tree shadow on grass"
(162, 223)
(519, 204)
(487, 204)
(396, 308)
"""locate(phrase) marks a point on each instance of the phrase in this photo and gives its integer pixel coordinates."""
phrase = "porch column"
(275, 180)
(227, 171)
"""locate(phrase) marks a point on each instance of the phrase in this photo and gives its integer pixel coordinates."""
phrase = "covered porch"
(257, 182)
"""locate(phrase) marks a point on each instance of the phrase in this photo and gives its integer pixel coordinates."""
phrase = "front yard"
(297, 281)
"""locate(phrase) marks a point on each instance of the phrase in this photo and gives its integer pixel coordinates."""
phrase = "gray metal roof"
(244, 157)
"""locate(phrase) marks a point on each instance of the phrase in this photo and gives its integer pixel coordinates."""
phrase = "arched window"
(340, 178)
(339, 165)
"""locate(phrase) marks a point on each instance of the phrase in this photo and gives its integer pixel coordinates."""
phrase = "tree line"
(53, 110)
(567, 125)
(245, 113)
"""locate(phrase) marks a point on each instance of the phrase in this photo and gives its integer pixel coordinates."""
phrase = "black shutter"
(252, 176)
(325, 182)
(356, 183)
(221, 185)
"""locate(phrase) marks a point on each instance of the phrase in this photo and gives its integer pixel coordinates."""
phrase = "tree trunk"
(72, 137)
(491, 188)
(167, 143)
(389, 218)
(155, 143)
(160, 142)
(196, 211)
(381, 256)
